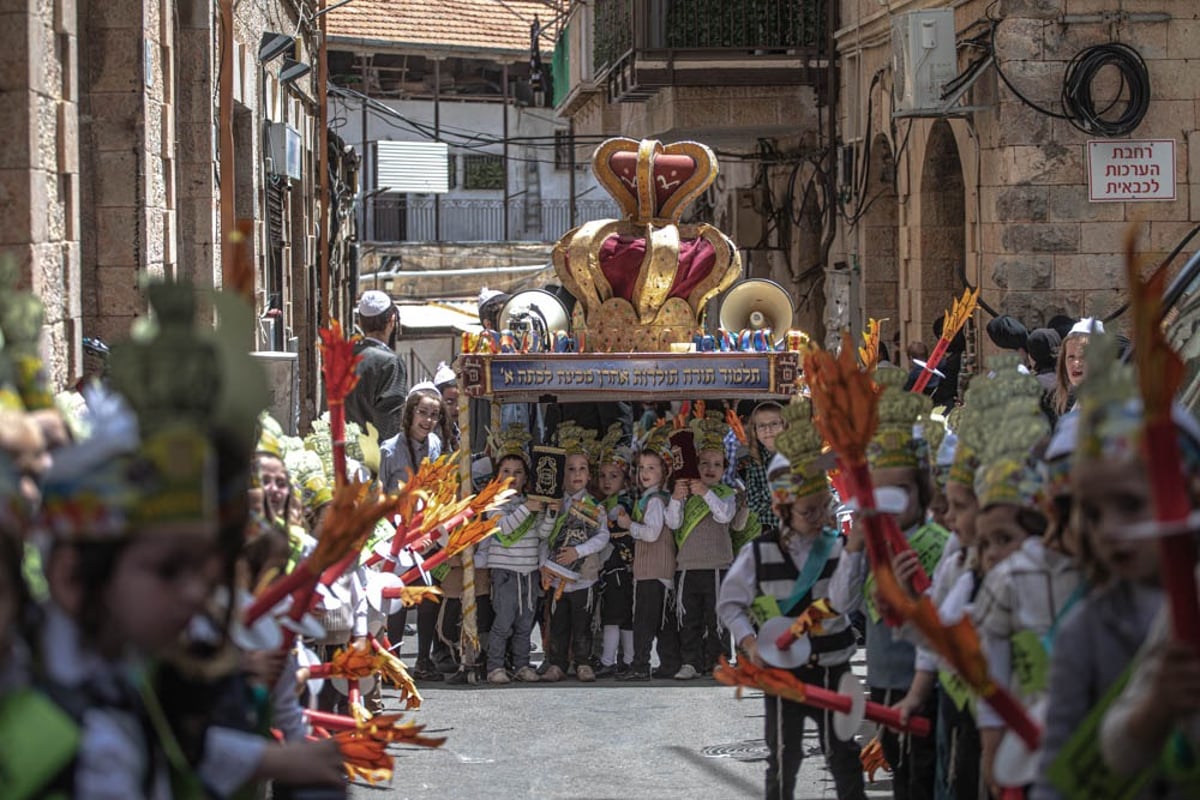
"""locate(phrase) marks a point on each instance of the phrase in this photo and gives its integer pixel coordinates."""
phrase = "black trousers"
(913, 759)
(450, 623)
(650, 600)
(959, 750)
(571, 629)
(784, 729)
(700, 641)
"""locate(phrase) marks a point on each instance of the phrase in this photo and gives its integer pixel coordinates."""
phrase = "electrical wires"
(1078, 101)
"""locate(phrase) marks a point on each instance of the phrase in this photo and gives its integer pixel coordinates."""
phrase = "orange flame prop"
(873, 760)
(355, 509)
(1160, 374)
(735, 424)
(868, 354)
(339, 368)
(808, 622)
(393, 669)
(349, 663)
(781, 683)
(955, 318)
(845, 402)
(363, 749)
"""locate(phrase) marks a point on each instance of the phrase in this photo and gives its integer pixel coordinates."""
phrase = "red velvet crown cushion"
(670, 171)
(621, 259)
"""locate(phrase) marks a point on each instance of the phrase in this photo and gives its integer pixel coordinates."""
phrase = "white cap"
(443, 376)
(486, 294)
(1086, 327)
(426, 385)
(373, 303)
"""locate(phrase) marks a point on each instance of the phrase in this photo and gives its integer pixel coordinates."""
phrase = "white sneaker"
(686, 673)
(498, 676)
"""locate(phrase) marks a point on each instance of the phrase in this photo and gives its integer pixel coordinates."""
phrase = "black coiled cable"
(1080, 106)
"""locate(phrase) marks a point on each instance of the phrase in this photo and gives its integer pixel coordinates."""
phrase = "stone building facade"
(898, 213)
(997, 194)
(111, 167)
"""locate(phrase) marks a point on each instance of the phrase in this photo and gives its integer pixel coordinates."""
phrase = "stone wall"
(39, 168)
(1024, 230)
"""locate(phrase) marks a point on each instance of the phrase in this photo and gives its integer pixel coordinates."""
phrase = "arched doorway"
(880, 241)
(941, 230)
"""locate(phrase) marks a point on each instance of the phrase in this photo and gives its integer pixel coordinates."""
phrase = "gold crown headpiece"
(1014, 424)
(801, 444)
(642, 282)
(512, 440)
(577, 440)
(309, 476)
(611, 449)
(1110, 412)
(709, 431)
(656, 440)
(895, 443)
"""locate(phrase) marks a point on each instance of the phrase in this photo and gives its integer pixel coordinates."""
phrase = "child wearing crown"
(653, 562)
(576, 534)
(699, 514)
(899, 464)
(515, 553)
(789, 572)
(616, 576)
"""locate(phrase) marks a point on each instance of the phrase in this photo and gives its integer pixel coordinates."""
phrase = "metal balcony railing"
(755, 27)
(415, 219)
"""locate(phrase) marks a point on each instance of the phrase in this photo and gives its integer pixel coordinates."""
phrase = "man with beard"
(382, 379)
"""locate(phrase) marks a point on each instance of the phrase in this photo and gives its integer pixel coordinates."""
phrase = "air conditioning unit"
(283, 143)
(283, 379)
(924, 61)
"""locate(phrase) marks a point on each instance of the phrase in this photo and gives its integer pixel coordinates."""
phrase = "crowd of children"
(136, 525)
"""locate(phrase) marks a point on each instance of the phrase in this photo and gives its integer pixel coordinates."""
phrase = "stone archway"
(940, 228)
(880, 241)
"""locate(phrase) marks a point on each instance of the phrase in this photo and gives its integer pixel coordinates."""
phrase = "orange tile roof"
(485, 26)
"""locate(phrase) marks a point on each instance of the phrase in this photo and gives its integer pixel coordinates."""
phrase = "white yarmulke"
(1087, 327)
(486, 294)
(373, 303)
(444, 375)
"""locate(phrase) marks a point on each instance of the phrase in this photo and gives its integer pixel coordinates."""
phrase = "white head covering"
(1087, 327)
(443, 376)
(373, 303)
(486, 294)
(426, 385)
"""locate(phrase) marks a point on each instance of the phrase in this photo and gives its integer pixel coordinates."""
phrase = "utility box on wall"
(283, 143)
(283, 382)
(924, 60)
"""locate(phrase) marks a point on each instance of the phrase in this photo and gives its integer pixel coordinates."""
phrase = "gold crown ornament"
(513, 440)
(308, 475)
(642, 282)
(709, 431)
(576, 440)
(656, 440)
(895, 443)
(171, 443)
(1014, 424)
(612, 449)
(802, 445)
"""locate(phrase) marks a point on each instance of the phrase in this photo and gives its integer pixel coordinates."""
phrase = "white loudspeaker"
(757, 304)
(536, 311)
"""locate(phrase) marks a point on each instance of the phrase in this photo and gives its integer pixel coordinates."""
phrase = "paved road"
(658, 740)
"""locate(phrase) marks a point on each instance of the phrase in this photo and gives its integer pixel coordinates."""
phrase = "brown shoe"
(585, 674)
(527, 674)
(553, 675)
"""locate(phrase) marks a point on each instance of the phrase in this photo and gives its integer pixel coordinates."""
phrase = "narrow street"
(660, 740)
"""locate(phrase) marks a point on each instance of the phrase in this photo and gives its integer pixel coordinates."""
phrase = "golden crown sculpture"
(641, 282)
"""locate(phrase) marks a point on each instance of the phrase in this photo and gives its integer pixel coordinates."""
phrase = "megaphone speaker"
(757, 304)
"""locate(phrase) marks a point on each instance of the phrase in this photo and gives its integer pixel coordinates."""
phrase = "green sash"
(751, 531)
(1079, 771)
(38, 741)
(639, 511)
(960, 694)
(509, 539)
(929, 541)
(1030, 663)
(695, 510)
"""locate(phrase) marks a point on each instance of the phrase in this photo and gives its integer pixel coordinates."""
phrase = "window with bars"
(483, 172)
(452, 167)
